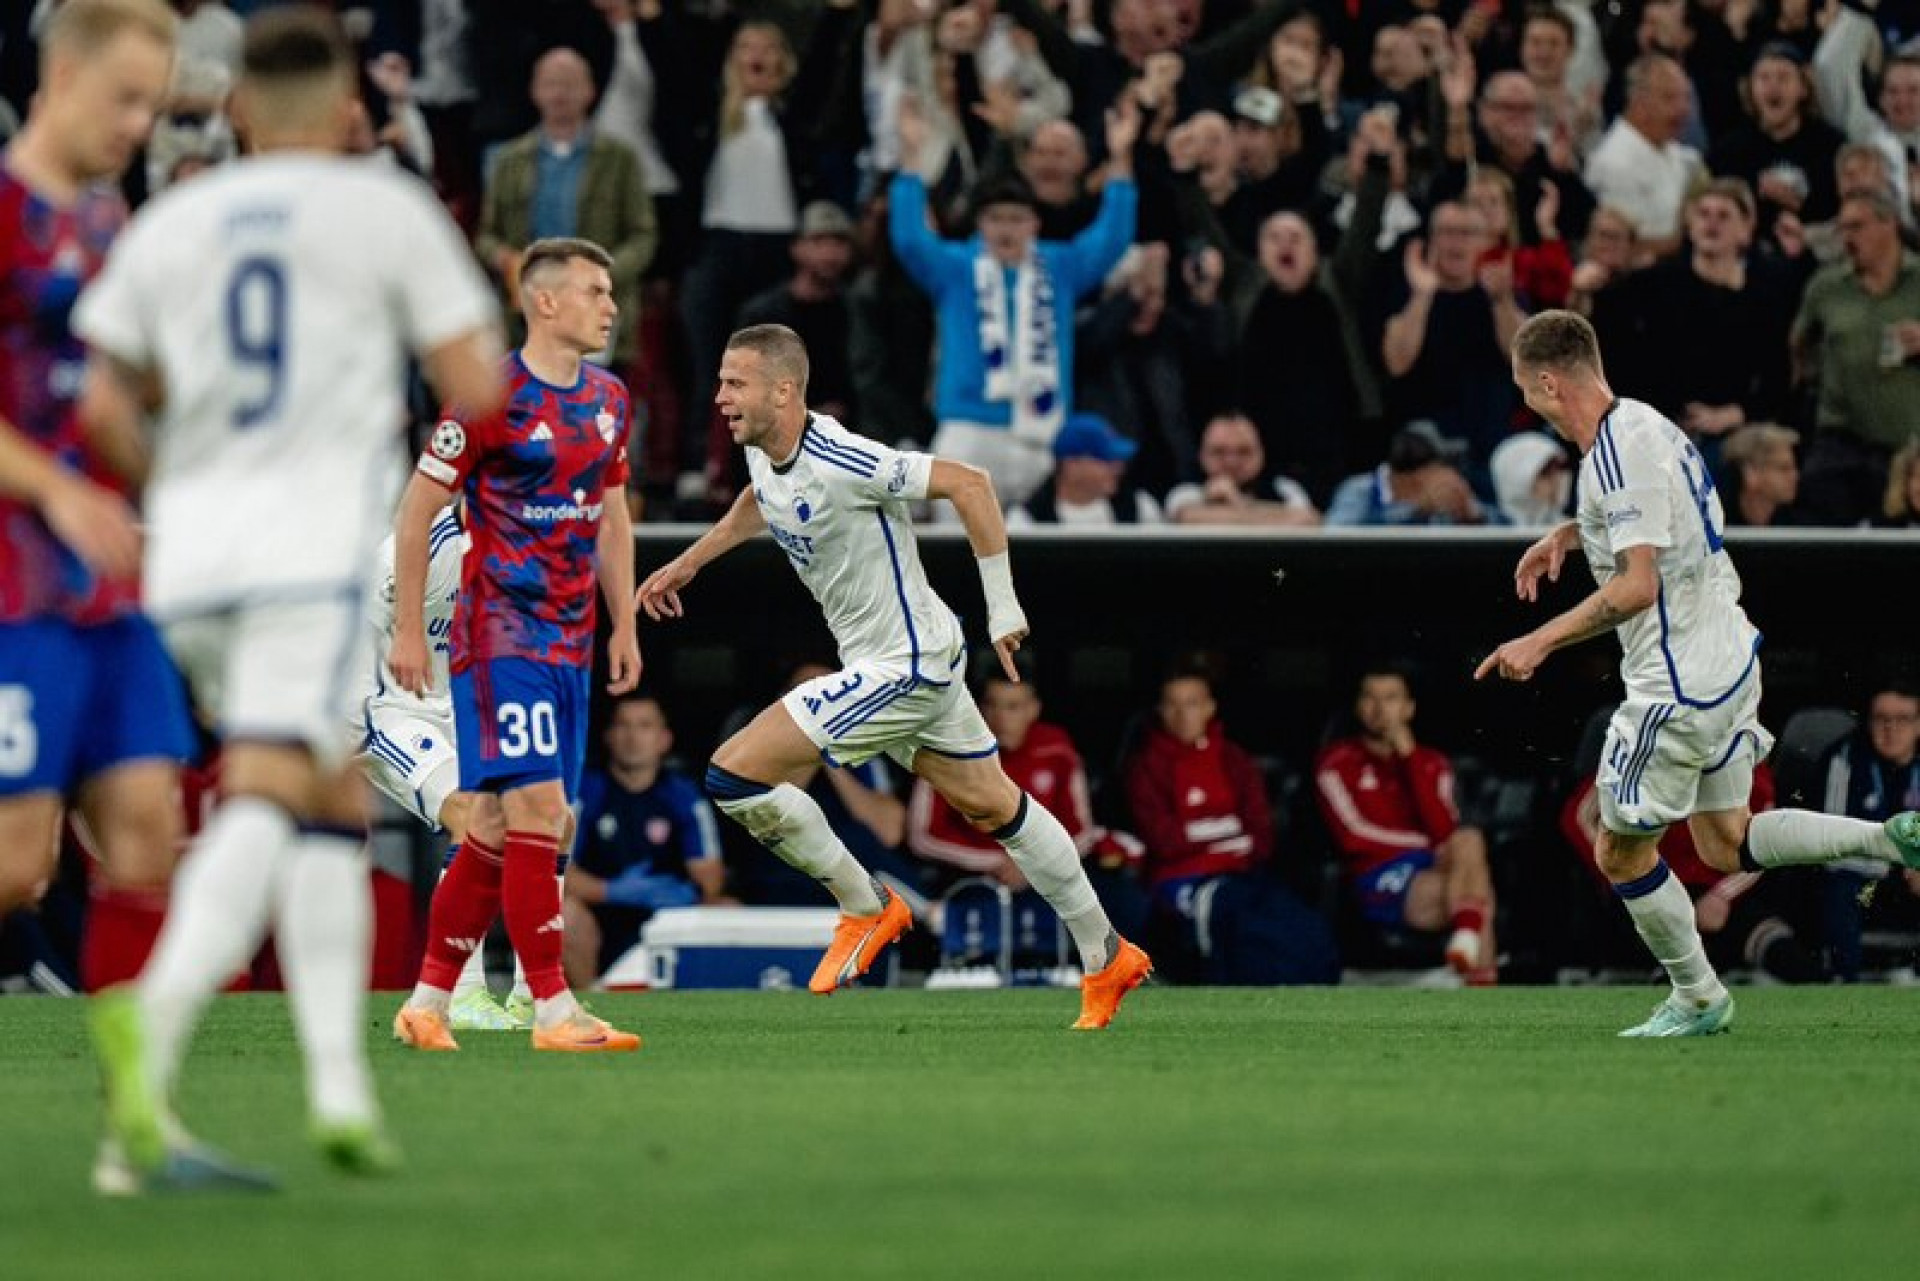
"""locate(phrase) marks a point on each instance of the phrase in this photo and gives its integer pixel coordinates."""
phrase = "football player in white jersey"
(407, 748)
(836, 503)
(1683, 744)
(264, 313)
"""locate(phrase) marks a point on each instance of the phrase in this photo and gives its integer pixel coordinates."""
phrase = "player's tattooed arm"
(1634, 587)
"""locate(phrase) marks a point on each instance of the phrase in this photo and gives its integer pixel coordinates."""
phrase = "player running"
(264, 312)
(836, 503)
(544, 484)
(1683, 744)
(407, 749)
(90, 708)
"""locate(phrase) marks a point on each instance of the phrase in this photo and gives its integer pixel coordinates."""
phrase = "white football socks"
(222, 899)
(789, 822)
(324, 934)
(1663, 913)
(1784, 838)
(1040, 847)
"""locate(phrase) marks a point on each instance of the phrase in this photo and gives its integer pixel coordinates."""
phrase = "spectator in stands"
(1839, 66)
(1278, 154)
(1760, 476)
(192, 132)
(647, 842)
(1640, 166)
(1542, 267)
(1054, 164)
(1509, 110)
(1784, 152)
(813, 304)
(563, 179)
(1609, 254)
(1041, 758)
(1152, 354)
(1305, 376)
(746, 163)
(1237, 489)
(1005, 302)
(1416, 485)
(1451, 323)
(1729, 309)
(1856, 337)
(1408, 859)
(210, 30)
(1873, 774)
(1532, 479)
(1088, 487)
(628, 109)
(890, 338)
(1200, 806)
(1901, 507)
(1745, 919)
(1571, 119)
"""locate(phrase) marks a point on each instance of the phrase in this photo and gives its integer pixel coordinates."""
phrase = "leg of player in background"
(465, 905)
(537, 816)
(1794, 838)
(473, 1007)
(1472, 948)
(979, 789)
(29, 847)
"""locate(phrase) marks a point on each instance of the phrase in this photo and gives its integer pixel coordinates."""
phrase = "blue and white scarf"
(1023, 368)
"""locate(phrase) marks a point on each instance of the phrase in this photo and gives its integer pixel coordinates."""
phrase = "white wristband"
(1004, 615)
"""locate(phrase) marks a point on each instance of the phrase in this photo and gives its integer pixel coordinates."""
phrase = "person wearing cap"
(1088, 486)
(1004, 301)
(1279, 154)
(1782, 150)
(1417, 485)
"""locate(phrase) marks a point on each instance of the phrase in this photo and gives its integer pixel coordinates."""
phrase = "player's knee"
(1621, 861)
(1718, 853)
(987, 808)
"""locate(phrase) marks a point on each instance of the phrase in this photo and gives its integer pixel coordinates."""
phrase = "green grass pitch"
(1209, 1134)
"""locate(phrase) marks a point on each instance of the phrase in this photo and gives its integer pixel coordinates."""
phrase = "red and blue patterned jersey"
(535, 476)
(47, 254)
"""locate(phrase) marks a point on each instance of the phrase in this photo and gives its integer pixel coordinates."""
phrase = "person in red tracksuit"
(1200, 806)
(1042, 759)
(1388, 803)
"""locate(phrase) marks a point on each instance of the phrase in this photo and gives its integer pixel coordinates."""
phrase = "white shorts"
(1664, 762)
(279, 672)
(413, 760)
(869, 708)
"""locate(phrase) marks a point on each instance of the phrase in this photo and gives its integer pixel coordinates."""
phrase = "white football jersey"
(278, 298)
(446, 546)
(838, 509)
(1644, 484)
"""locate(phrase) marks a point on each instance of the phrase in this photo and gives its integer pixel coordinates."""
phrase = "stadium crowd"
(1206, 262)
(1323, 220)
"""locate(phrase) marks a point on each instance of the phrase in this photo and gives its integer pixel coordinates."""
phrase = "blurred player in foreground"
(546, 512)
(90, 708)
(836, 503)
(1683, 744)
(263, 312)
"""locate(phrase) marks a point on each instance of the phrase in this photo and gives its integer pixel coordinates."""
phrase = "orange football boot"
(423, 1029)
(1101, 994)
(585, 1034)
(857, 943)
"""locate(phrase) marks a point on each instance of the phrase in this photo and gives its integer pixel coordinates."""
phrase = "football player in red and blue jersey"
(545, 485)
(90, 707)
